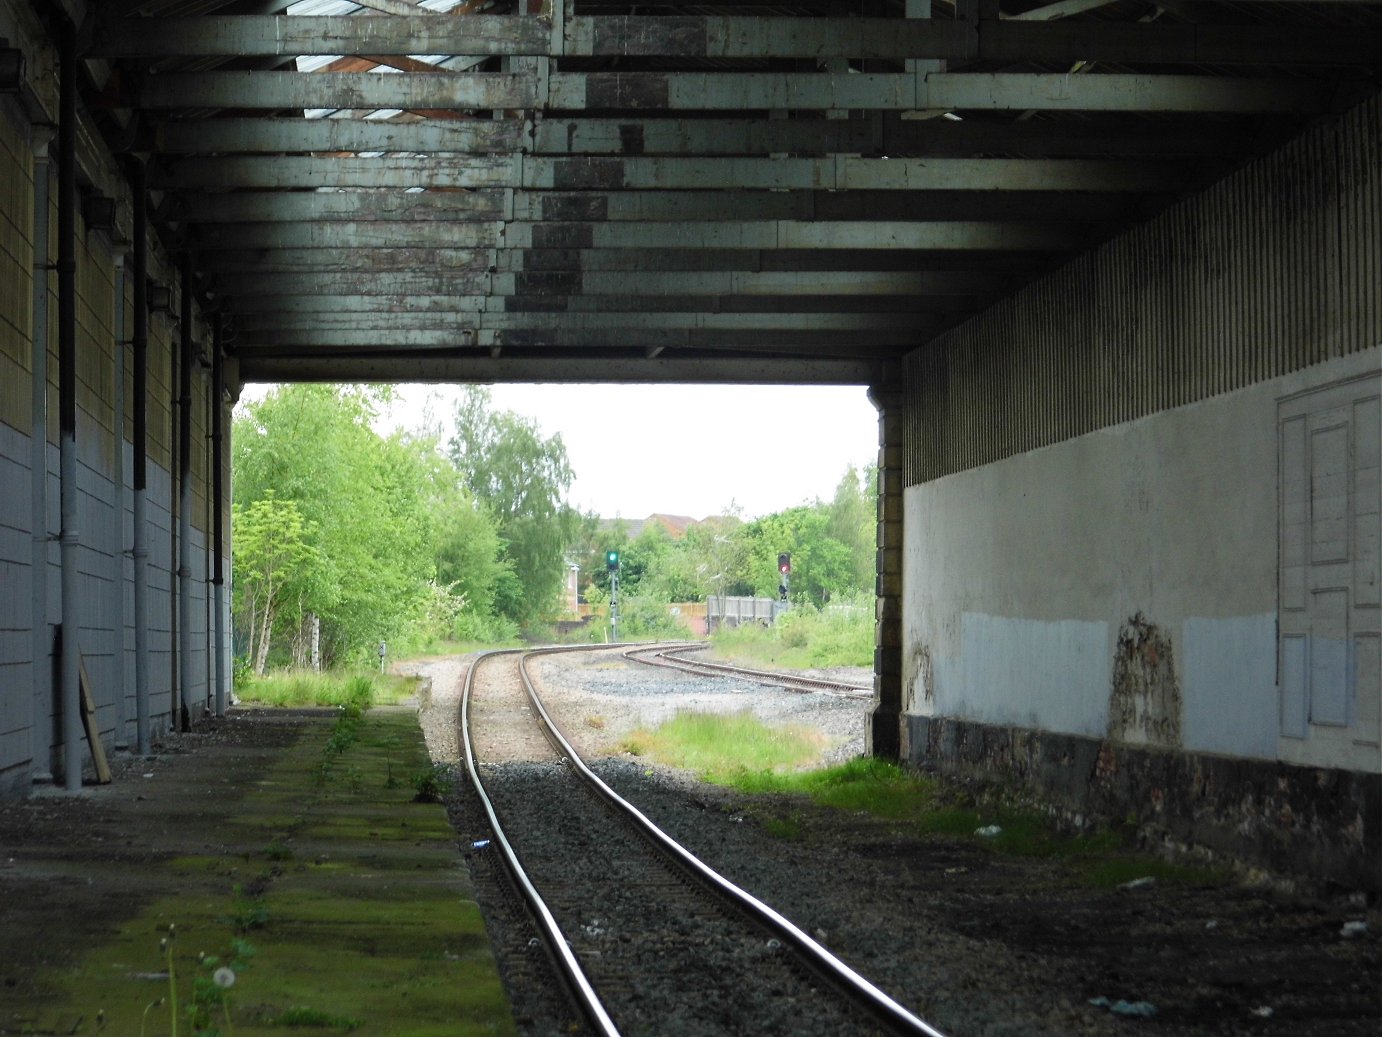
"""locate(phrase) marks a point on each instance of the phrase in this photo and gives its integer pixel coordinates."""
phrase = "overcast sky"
(687, 449)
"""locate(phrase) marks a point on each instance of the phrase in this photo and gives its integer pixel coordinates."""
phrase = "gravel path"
(976, 942)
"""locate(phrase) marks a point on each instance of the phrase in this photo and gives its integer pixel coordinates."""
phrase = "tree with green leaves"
(821, 565)
(521, 478)
(363, 501)
(271, 552)
(853, 522)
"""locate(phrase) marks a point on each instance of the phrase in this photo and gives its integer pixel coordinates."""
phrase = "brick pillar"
(883, 735)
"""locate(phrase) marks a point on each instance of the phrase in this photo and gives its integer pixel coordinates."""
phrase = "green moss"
(382, 931)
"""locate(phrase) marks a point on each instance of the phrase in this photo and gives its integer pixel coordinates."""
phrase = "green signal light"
(612, 559)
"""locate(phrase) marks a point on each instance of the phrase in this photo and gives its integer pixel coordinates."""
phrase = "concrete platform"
(339, 902)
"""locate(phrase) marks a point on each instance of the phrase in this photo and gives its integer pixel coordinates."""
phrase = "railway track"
(663, 655)
(648, 938)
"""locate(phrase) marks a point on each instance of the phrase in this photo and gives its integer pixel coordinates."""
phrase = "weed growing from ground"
(303, 1016)
(343, 736)
(247, 912)
(429, 785)
(211, 989)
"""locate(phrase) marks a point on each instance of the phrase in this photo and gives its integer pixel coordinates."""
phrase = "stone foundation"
(1315, 824)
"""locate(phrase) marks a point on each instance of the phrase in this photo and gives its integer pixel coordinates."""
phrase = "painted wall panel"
(1295, 512)
(1329, 683)
(1367, 680)
(1367, 503)
(1167, 524)
(1030, 673)
(1229, 684)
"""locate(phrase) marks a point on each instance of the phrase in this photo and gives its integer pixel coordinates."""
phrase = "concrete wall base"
(882, 734)
(1316, 825)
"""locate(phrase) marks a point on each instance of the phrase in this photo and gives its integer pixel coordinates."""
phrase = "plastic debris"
(1213, 923)
(988, 831)
(774, 944)
(1142, 883)
(1263, 1011)
(1131, 1009)
(1354, 928)
(480, 844)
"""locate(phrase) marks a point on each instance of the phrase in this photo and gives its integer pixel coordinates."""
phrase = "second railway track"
(675, 657)
(661, 952)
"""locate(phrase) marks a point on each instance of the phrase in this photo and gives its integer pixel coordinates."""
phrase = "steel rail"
(663, 656)
(582, 990)
(883, 1006)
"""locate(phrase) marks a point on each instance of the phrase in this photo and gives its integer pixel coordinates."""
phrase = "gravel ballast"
(975, 941)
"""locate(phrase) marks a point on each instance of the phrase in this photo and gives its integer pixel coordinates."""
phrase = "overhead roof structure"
(538, 190)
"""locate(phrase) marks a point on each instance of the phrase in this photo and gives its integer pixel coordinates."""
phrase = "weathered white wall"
(1020, 574)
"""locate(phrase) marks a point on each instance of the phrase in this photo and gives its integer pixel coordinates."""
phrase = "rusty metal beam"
(1031, 38)
(837, 173)
(883, 134)
(722, 91)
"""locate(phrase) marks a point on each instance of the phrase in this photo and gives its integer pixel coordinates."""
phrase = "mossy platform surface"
(341, 905)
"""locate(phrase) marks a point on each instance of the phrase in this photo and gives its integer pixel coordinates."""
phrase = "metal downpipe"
(218, 375)
(69, 536)
(139, 348)
(42, 691)
(185, 494)
(122, 734)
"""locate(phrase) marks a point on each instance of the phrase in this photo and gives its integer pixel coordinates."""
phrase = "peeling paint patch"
(1145, 700)
(918, 680)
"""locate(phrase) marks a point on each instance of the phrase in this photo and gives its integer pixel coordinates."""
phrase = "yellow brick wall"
(162, 342)
(95, 343)
(16, 279)
(201, 445)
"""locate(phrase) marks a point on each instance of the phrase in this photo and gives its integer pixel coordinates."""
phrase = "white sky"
(686, 449)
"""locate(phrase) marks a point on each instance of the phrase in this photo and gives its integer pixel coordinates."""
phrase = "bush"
(290, 689)
(490, 630)
(841, 634)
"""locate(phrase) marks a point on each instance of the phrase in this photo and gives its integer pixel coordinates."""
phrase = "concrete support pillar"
(883, 736)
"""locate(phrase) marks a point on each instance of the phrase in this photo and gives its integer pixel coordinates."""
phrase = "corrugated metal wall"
(1275, 268)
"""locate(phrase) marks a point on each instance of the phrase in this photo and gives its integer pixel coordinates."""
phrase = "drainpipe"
(139, 348)
(42, 732)
(218, 384)
(122, 736)
(185, 495)
(69, 537)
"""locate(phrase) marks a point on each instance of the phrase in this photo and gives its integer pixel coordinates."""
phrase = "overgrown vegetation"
(841, 634)
(299, 689)
(345, 540)
(721, 746)
(741, 752)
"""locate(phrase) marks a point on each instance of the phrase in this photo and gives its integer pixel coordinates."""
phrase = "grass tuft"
(293, 689)
(725, 748)
(304, 1017)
